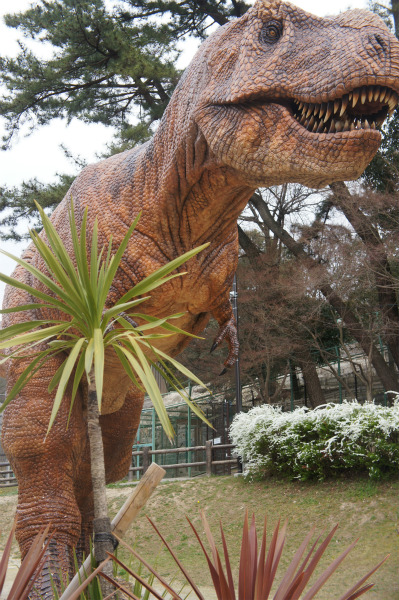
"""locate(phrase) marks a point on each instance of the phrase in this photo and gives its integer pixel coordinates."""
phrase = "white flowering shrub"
(320, 443)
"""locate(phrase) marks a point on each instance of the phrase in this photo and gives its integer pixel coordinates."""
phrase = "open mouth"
(365, 107)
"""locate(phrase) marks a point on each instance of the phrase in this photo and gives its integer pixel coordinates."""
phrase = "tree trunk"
(379, 264)
(311, 378)
(386, 374)
(103, 541)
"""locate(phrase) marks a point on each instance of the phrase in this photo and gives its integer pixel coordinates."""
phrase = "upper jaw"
(364, 107)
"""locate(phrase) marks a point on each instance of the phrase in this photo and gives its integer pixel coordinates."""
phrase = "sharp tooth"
(350, 95)
(336, 105)
(300, 105)
(310, 110)
(332, 127)
(320, 127)
(355, 97)
(345, 101)
(302, 119)
(366, 124)
(376, 93)
(370, 94)
(352, 127)
(347, 125)
(328, 111)
(392, 105)
(363, 96)
(382, 94)
(315, 126)
(358, 124)
(373, 125)
(339, 126)
(323, 108)
(311, 123)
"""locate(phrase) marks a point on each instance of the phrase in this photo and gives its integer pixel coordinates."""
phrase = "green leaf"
(116, 259)
(52, 301)
(80, 369)
(23, 307)
(57, 376)
(42, 334)
(99, 364)
(26, 376)
(182, 369)
(68, 367)
(121, 308)
(89, 358)
(126, 365)
(143, 370)
(18, 328)
(159, 277)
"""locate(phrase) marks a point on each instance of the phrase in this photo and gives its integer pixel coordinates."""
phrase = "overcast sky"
(39, 154)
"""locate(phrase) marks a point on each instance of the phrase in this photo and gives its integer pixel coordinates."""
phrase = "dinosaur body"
(276, 96)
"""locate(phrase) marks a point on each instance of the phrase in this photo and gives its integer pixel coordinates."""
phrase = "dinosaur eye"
(271, 32)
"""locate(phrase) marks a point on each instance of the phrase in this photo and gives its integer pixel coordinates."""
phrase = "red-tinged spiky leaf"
(212, 570)
(268, 565)
(6, 557)
(261, 562)
(228, 566)
(349, 594)
(177, 561)
(329, 571)
(289, 573)
(362, 591)
(163, 581)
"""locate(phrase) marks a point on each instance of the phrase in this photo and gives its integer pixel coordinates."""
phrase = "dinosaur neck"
(199, 199)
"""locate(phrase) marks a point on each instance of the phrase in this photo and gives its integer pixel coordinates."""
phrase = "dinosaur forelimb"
(228, 332)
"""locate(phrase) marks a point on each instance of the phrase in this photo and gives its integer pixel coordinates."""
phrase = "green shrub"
(320, 443)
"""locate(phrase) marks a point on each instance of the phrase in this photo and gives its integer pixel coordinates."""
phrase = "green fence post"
(337, 352)
(292, 386)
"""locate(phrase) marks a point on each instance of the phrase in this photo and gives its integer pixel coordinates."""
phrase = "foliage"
(103, 62)
(316, 444)
(85, 328)
(257, 567)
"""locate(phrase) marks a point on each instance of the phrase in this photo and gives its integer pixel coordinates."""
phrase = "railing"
(7, 477)
(147, 457)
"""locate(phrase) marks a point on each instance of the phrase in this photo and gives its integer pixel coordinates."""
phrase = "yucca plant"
(76, 288)
(257, 567)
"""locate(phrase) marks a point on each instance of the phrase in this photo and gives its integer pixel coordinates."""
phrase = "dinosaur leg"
(45, 469)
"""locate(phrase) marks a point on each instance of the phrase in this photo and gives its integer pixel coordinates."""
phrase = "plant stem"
(101, 523)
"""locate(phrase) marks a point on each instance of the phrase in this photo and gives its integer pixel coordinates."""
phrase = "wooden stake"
(124, 518)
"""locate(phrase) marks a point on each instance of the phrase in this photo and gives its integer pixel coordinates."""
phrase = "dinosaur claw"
(223, 372)
(214, 346)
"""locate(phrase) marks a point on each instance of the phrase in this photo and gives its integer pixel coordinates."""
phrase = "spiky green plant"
(77, 288)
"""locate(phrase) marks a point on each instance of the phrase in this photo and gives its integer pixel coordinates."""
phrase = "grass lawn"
(363, 509)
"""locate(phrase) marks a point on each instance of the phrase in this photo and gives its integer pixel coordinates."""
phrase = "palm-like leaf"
(78, 289)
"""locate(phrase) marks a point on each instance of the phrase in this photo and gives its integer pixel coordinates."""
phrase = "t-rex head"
(285, 96)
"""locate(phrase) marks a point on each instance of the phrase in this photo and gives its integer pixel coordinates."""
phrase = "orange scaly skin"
(241, 117)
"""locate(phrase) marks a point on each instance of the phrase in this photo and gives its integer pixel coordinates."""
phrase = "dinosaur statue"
(278, 95)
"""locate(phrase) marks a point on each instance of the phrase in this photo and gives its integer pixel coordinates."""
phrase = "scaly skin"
(241, 117)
